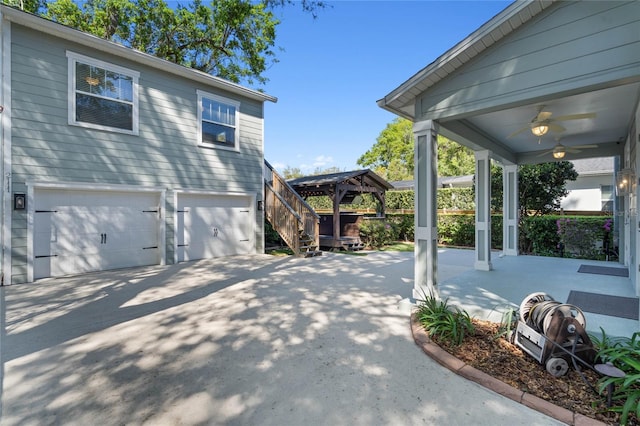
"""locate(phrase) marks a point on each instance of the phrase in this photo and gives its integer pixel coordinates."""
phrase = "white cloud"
(322, 160)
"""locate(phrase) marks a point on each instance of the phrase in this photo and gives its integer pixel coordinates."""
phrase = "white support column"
(510, 231)
(483, 211)
(426, 220)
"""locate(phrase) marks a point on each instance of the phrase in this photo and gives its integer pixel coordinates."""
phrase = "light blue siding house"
(113, 158)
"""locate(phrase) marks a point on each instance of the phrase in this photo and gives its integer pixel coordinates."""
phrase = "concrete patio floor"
(488, 294)
(256, 340)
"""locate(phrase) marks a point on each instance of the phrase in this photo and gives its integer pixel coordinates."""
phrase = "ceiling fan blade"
(584, 146)
(543, 115)
(556, 127)
(517, 132)
(575, 116)
(572, 150)
(547, 152)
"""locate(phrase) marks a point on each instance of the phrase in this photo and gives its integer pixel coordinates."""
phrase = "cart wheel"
(557, 367)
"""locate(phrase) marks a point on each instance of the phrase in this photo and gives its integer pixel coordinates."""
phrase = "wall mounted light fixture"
(625, 180)
(19, 201)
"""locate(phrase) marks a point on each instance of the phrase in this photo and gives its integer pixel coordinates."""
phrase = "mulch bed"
(509, 364)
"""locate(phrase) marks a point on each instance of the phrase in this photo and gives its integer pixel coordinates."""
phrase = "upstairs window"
(217, 121)
(102, 95)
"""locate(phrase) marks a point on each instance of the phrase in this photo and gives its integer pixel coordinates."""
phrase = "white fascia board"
(58, 30)
(493, 30)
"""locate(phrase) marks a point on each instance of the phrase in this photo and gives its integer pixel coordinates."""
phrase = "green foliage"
(580, 237)
(508, 323)
(292, 173)
(392, 155)
(271, 236)
(375, 233)
(320, 203)
(31, 6)
(454, 159)
(625, 355)
(399, 200)
(539, 236)
(496, 231)
(540, 187)
(456, 199)
(441, 322)
(457, 230)
(232, 39)
(399, 246)
(404, 225)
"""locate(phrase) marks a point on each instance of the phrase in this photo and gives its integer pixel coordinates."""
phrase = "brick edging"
(444, 358)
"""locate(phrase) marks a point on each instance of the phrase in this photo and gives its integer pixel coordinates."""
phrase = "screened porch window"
(102, 95)
(218, 121)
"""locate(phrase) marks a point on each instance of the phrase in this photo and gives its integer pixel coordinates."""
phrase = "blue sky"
(333, 70)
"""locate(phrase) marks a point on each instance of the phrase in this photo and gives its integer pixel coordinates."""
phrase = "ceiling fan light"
(558, 154)
(540, 129)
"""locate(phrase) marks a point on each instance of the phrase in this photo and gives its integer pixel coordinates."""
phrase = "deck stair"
(290, 216)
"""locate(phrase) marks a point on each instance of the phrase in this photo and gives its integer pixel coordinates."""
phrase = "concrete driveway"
(256, 340)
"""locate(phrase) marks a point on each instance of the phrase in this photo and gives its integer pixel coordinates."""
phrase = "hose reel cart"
(553, 333)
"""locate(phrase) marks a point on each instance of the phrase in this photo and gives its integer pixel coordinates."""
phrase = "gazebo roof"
(357, 181)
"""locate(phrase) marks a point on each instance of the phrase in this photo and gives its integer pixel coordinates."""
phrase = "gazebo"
(341, 188)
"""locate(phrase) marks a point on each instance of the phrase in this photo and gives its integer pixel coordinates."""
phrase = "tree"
(327, 171)
(292, 173)
(231, 39)
(392, 154)
(454, 159)
(540, 186)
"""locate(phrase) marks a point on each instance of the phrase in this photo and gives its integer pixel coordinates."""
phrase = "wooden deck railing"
(287, 212)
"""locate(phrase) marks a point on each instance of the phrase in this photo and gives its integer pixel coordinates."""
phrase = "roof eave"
(400, 101)
(76, 36)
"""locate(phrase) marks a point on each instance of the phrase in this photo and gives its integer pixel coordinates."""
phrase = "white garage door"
(213, 226)
(80, 231)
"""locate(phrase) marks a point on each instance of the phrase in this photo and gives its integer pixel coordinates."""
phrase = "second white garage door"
(213, 226)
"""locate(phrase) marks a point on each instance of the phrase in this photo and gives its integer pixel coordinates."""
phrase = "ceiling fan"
(560, 150)
(542, 122)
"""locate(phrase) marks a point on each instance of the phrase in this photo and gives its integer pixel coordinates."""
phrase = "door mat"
(603, 270)
(614, 306)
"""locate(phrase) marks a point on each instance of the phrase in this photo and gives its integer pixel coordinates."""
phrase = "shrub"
(625, 355)
(441, 322)
(583, 237)
(270, 235)
(405, 225)
(399, 200)
(376, 233)
(538, 236)
(456, 198)
(457, 230)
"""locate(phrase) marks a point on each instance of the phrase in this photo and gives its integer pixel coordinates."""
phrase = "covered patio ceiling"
(614, 109)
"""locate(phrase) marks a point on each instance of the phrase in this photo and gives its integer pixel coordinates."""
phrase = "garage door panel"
(94, 230)
(210, 226)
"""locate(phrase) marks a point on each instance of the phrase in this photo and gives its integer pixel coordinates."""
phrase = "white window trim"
(234, 103)
(72, 58)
